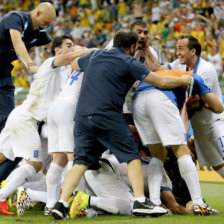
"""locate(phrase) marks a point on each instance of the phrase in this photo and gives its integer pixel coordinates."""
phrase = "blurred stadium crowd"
(93, 23)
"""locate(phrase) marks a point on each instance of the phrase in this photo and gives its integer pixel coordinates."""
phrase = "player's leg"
(60, 142)
(53, 178)
(155, 172)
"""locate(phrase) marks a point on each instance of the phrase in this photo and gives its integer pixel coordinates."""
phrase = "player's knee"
(60, 159)
(180, 150)
(36, 165)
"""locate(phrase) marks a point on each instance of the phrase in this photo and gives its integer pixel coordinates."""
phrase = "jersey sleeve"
(138, 70)
(200, 87)
(84, 61)
(14, 21)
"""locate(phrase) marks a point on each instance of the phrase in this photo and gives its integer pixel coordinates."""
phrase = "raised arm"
(68, 58)
(21, 50)
(151, 62)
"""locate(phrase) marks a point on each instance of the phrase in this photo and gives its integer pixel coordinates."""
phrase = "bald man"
(19, 32)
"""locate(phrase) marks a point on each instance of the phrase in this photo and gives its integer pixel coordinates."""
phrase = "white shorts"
(157, 119)
(60, 127)
(209, 144)
(105, 182)
(20, 137)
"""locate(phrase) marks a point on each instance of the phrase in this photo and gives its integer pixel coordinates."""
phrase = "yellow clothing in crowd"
(200, 35)
(122, 8)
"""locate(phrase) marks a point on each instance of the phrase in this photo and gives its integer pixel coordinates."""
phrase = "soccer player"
(99, 123)
(20, 137)
(208, 127)
(111, 191)
(60, 136)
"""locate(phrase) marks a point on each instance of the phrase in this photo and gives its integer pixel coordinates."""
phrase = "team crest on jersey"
(36, 153)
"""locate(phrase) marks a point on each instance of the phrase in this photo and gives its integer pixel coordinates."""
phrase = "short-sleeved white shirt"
(45, 87)
(207, 71)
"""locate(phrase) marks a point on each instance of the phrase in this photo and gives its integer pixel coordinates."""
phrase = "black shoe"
(147, 208)
(60, 211)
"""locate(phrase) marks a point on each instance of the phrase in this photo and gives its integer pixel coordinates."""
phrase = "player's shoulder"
(47, 64)
(205, 64)
(206, 67)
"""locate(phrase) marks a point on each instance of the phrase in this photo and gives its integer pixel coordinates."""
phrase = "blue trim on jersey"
(74, 77)
(169, 67)
(188, 135)
(52, 64)
(142, 77)
(195, 66)
(166, 189)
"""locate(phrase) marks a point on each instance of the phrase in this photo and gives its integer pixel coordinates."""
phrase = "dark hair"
(57, 42)
(138, 22)
(193, 43)
(125, 39)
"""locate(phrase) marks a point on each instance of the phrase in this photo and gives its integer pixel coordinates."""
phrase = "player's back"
(44, 89)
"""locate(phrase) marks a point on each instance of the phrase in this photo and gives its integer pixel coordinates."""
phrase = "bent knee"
(36, 165)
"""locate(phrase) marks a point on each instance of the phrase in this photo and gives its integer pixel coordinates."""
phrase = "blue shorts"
(95, 134)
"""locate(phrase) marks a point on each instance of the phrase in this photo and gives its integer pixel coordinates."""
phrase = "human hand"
(33, 69)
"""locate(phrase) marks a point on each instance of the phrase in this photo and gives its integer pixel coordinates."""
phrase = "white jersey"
(44, 89)
(71, 89)
(207, 71)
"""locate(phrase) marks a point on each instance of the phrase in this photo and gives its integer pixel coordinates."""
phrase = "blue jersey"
(108, 75)
(143, 86)
(177, 95)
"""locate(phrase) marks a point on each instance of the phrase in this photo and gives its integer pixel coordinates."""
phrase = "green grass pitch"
(213, 193)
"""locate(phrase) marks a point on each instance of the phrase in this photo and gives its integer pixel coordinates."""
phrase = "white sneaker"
(23, 201)
(204, 209)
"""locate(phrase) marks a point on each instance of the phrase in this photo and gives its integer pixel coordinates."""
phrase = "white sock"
(64, 203)
(37, 195)
(141, 199)
(155, 176)
(21, 175)
(53, 184)
(221, 172)
(66, 169)
(189, 173)
(112, 205)
(39, 184)
(69, 165)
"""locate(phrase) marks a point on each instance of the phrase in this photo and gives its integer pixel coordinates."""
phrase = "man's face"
(183, 52)
(45, 20)
(66, 47)
(143, 35)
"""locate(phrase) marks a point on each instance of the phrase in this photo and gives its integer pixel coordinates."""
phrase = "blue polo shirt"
(20, 21)
(108, 75)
